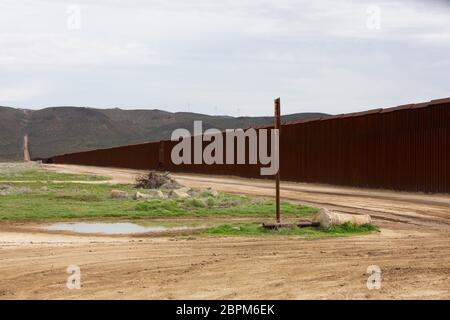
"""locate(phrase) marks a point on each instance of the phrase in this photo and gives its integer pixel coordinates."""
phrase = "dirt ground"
(412, 251)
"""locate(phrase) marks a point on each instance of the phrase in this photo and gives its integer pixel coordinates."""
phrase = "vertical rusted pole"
(26, 150)
(277, 176)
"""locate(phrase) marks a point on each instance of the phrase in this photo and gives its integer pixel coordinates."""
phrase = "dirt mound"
(156, 180)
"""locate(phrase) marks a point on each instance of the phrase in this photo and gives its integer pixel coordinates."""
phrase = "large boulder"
(327, 218)
(118, 194)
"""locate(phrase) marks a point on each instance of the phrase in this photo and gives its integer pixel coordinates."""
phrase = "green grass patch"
(254, 229)
(40, 201)
(45, 175)
(61, 201)
(223, 205)
(43, 199)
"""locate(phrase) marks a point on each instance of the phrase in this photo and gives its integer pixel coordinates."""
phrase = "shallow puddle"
(110, 228)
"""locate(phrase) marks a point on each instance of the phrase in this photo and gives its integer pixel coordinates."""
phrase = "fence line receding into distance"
(401, 148)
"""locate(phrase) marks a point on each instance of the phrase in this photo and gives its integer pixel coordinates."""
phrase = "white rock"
(154, 194)
(181, 192)
(23, 190)
(139, 195)
(212, 192)
(118, 194)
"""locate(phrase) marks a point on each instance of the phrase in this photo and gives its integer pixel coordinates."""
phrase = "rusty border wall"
(401, 148)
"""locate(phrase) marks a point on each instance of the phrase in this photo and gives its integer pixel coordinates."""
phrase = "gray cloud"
(229, 57)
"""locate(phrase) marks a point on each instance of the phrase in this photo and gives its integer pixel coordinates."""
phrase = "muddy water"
(110, 228)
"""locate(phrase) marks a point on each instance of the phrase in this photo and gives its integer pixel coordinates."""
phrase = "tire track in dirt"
(413, 266)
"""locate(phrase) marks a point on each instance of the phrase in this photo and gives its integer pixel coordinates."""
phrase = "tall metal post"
(277, 176)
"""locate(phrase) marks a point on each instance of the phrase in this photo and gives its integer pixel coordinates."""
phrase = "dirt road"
(412, 251)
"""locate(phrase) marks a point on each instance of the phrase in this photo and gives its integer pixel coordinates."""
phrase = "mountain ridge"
(59, 130)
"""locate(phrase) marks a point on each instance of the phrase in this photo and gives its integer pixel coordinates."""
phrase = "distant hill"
(59, 130)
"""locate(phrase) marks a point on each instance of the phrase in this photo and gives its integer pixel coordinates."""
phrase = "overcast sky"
(224, 57)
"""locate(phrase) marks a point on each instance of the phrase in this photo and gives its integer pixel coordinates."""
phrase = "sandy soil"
(413, 252)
